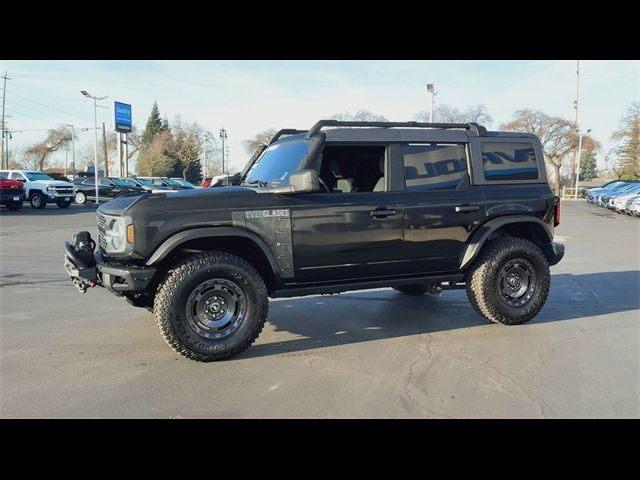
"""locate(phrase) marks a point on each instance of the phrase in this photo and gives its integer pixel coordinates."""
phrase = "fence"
(569, 192)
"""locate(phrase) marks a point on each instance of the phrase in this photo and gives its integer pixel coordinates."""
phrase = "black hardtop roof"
(339, 131)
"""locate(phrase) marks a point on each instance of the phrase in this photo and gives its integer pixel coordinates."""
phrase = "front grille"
(63, 189)
(102, 242)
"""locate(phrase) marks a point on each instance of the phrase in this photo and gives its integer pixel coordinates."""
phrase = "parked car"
(162, 182)
(184, 183)
(591, 194)
(41, 189)
(606, 199)
(11, 193)
(418, 207)
(145, 184)
(622, 202)
(206, 182)
(109, 187)
(634, 208)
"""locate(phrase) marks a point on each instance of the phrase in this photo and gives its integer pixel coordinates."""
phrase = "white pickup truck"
(40, 188)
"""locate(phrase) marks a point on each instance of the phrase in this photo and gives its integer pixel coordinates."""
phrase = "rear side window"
(433, 166)
(509, 161)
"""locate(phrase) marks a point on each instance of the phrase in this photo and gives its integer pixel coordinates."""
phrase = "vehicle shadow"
(49, 210)
(332, 320)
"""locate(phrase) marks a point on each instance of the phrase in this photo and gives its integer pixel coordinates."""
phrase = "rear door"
(441, 207)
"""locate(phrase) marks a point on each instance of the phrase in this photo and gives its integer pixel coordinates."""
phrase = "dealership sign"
(123, 117)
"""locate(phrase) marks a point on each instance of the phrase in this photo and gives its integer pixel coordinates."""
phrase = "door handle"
(467, 208)
(382, 212)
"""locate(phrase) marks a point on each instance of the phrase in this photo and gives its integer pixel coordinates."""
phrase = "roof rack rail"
(285, 131)
(478, 130)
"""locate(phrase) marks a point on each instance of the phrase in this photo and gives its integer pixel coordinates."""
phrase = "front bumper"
(554, 252)
(59, 195)
(9, 196)
(102, 272)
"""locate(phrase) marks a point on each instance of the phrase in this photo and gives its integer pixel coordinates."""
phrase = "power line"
(13, 102)
(49, 106)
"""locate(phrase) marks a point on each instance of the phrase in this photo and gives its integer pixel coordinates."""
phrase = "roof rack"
(478, 130)
(285, 131)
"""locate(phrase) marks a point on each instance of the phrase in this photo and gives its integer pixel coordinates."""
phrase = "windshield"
(145, 181)
(173, 183)
(37, 176)
(276, 164)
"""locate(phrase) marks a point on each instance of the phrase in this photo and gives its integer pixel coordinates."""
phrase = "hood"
(183, 201)
(10, 184)
(55, 183)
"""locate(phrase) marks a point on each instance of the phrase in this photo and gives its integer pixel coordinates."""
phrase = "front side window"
(434, 166)
(276, 164)
(509, 161)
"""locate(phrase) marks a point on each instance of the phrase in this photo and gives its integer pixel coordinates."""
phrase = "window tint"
(16, 176)
(106, 183)
(90, 181)
(433, 166)
(509, 161)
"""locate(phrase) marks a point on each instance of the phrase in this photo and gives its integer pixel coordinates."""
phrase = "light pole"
(431, 89)
(223, 136)
(578, 163)
(95, 144)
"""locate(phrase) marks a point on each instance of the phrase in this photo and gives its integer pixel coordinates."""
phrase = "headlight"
(114, 233)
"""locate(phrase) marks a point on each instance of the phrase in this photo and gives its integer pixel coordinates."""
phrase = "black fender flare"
(482, 234)
(210, 232)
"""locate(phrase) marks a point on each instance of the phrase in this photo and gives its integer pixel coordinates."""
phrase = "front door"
(352, 229)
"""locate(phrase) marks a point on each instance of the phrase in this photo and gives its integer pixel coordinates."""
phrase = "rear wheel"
(509, 281)
(38, 201)
(63, 203)
(80, 198)
(418, 289)
(211, 307)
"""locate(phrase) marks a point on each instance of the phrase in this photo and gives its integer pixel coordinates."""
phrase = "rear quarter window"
(509, 161)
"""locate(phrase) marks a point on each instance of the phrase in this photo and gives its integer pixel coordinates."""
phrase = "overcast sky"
(248, 96)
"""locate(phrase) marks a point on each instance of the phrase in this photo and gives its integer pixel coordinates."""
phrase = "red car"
(205, 182)
(11, 193)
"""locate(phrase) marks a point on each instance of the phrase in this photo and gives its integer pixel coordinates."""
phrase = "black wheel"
(38, 201)
(509, 281)
(14, 205)
(63, 203)
(80, 198)
(417, 289)
(211, 307)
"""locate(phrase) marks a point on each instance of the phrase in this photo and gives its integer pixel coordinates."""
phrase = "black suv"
(419, 207)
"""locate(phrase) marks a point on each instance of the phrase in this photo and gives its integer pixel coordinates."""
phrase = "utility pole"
(576, 105)
(104, 143)
(204, 158)
(223, 136)
(431, 89)
(4, 96)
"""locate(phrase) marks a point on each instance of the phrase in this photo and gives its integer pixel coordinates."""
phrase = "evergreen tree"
(154, 125)
(194, 172)
(588, 166)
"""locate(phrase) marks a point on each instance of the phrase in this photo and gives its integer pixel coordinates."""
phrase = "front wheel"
(38, 201)
(211, 307)
(509, 281)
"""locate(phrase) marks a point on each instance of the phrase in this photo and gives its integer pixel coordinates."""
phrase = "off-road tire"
(38, 201)
(80, 198)
(174, 291)
(483, 282)
(14, 205)
(63, 203)
(417, 289)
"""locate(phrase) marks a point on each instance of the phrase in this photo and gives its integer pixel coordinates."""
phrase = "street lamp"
(223, 136)
(431, 89)
(95, 144)
(578, 163)
(204, 162)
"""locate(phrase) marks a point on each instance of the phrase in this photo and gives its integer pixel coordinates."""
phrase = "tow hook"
(82, 286)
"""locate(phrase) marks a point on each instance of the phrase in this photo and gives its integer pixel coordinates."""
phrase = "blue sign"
(123, 117)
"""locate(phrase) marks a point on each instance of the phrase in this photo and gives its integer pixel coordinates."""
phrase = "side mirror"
(304, 181)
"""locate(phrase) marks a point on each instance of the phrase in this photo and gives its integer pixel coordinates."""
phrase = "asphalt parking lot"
(369, 354)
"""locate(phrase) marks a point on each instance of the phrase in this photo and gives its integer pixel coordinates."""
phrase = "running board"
(345, 287)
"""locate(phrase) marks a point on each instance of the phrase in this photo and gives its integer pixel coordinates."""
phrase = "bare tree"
(30, 159)
(260, 139)
(153, 160)
(186, 144)
(628, 148)
(444, 113)
(57, 138)
(361, 115)
(557, 135)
